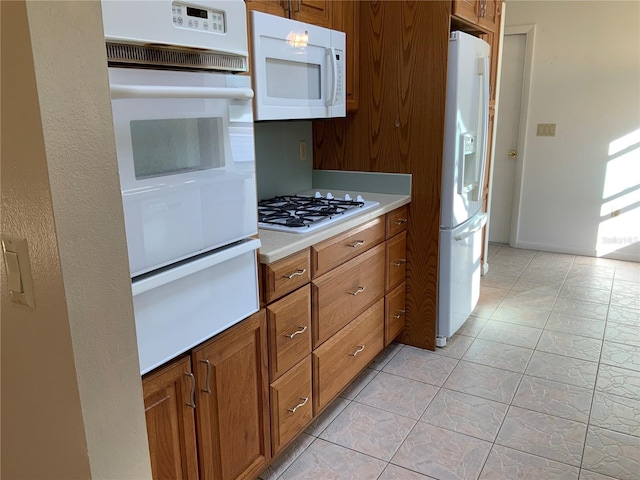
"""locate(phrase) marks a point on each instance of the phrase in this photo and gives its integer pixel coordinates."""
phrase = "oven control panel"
(201, 19)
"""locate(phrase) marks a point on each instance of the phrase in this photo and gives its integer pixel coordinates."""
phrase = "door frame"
(529, 32)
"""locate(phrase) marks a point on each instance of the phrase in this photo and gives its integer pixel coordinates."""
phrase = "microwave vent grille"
(172, 57)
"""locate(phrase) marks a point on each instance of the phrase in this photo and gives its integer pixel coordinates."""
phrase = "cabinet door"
(170, 422)
(489, 14)
(396, 258)
(346, 18)
(466, 10)
(394, 314)
(233, 402)
(317, 12)
(274, 7)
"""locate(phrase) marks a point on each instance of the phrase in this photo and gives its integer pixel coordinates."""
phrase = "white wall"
(586, 79)
(71, 393)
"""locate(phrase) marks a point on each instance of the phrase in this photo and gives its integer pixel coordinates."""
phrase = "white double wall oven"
(184, 137)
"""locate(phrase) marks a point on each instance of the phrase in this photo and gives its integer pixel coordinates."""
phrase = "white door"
(504, 166)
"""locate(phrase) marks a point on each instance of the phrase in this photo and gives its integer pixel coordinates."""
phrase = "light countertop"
(277, 245)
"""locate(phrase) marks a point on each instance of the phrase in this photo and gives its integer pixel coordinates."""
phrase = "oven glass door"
(186, 160)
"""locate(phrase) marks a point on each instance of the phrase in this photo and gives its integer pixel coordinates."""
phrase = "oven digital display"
(197, 12)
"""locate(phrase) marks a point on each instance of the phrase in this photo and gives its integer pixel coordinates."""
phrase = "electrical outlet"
(303, 150)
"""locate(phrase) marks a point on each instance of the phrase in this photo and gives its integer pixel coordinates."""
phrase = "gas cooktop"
(304, 214)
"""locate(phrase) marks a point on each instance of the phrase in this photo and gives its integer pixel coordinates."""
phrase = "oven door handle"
(181, 271)
(119, 91)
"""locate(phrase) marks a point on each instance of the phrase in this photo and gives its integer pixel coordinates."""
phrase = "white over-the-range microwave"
(298, 69)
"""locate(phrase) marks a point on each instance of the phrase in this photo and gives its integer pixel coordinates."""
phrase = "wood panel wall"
(399, 128)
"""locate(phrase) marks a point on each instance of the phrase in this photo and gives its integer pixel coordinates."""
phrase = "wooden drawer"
(337, 250)
(286, 275)
(397, 221)
(345, 354)
(291, 404)
(340, 295)
(396, 261)
(289, 331)
(394, 313)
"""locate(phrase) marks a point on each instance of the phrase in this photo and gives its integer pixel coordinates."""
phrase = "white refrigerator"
(461, 216)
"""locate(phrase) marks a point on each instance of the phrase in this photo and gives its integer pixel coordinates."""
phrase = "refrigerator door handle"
(484, 72)
(461, 160)
(478, 226)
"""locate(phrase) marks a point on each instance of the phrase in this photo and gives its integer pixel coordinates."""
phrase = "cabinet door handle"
(297, 273)
(298, 10)
(301, 404)
(360, 348)
(207, 387)
(359, 290)
(400, 262)
(192, 395)
(357, 244)
(297, 332)
(400, 313)
(401, 221)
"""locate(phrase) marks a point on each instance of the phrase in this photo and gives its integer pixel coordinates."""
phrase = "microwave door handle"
(334, 76)
(119, 91)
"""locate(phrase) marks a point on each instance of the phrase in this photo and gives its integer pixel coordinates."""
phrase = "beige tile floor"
(542, 382)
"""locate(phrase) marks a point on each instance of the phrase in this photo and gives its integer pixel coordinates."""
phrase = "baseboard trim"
(576, 251)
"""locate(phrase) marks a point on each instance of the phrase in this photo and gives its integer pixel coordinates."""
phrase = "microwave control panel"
(200, 19)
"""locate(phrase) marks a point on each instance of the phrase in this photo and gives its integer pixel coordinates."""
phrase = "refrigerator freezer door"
(459, 276)
(466, 125)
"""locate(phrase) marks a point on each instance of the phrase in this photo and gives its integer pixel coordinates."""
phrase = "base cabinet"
(233, 402)
(171, 427)
(222, 387)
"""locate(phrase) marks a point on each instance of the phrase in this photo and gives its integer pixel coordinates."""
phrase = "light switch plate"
(18, 270)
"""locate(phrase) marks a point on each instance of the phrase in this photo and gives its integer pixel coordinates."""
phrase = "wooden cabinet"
(396, 267)
(233, 402)
(399, 129)
(291, 404)
(346, 18)
(337, 250)
(341, 294)
(346, 353)
(484, 13)
(394, 313)
(289, 331)
(225, 394)
(285, 275)
(317, 12)
(171, 427)
(396, 254)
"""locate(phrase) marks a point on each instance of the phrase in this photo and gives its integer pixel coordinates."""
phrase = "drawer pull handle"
(359, 290)
(401, 221)
(297, 273)
(192, 395)
(297, 332)
(400, 262)
(302, 404)
(207, 388)
(400, 313)
(357, 244)
(360, 348)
